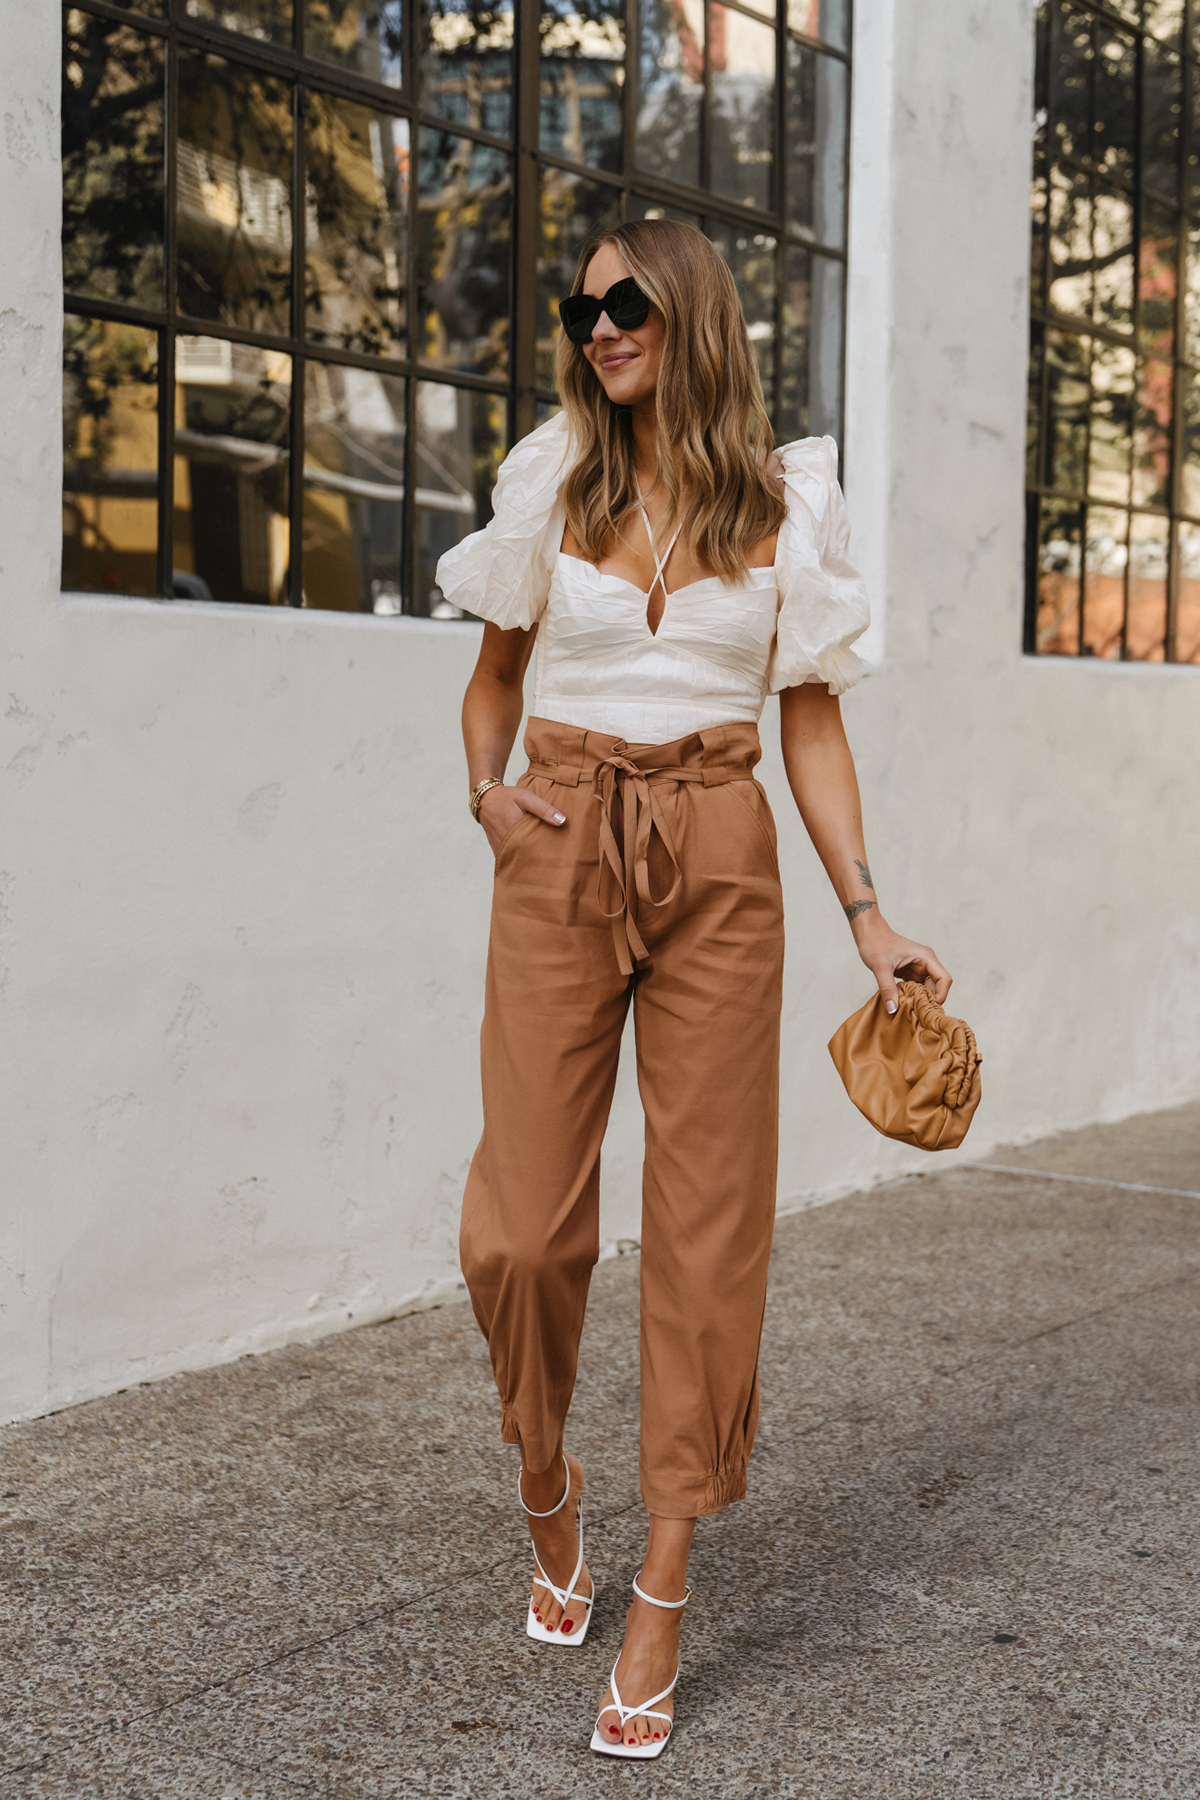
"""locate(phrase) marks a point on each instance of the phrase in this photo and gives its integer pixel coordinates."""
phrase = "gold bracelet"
(478, 792)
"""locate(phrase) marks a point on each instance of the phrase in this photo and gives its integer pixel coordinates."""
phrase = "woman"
(672, 572)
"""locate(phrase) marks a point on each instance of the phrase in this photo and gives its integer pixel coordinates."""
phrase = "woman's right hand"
(501, 807)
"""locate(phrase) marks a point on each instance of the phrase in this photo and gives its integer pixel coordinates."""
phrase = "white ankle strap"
(667, 1605)
(553, 1509)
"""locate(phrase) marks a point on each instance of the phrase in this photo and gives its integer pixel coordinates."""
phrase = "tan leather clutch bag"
(914, 1073)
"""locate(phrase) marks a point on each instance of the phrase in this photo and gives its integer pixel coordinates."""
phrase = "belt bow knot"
(628, 863)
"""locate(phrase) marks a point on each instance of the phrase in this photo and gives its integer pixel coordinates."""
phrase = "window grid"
(1132, 594)
(525, 396)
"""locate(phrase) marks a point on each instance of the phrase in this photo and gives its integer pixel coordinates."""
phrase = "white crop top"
(718, 651)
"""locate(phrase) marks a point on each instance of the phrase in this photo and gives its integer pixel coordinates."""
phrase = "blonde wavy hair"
(714, 439)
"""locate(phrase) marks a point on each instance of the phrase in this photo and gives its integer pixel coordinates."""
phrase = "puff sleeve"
(823, 605)
(502, 573)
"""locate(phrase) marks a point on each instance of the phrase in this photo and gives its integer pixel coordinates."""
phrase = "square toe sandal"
(533, 1625)
(638, 1752)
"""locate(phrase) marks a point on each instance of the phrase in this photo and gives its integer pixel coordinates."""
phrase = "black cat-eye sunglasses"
(625, 304)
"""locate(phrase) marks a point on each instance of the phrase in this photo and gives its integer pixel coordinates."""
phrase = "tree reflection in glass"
(461, 441)
(810, 361)
(363, 35)
(571, 210)
(354, 427)
(110, 457)
(270, 21)
(828, 20)
(582, 81)
(741, 54)
(232, 434)
(466, 67)
(112, 149)
(817, 98)
(234, 194)
(357, 226)
(751, 257)
(464, 243)
(670, 75)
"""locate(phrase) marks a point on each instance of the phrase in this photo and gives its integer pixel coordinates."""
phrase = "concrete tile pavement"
(968, 1562)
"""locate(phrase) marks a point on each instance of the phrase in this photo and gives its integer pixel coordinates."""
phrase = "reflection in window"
(354, 427)
(571, 210)
(232, 430)
(234, 194)
(268, 20)
(817, 115)
(811, 360)
(466, 74)
(1109, 393)
(112, 147)
(582, 82)
(110, 457)
(461, 442)
(356, 229)
(751, 257)
(742, 57)
(363, 35)
(464, 223)
(670, 65)
(825, 19)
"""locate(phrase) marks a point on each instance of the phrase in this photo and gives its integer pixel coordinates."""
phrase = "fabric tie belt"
(642, 814)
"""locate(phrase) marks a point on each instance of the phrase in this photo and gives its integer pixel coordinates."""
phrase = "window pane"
(357, 226)
(1070, 243)
(1104, 581)
(742, 57)
(1112, 249)
(1187, 607)
(637, 207)
(461, 439)
(1152, 435)
(1189, 474)
(268, 20)
(1165, 19)
(751, 256)
(810, 371)
(1162, 116)
(1191, 296)
(112, 148)
(1058, 578)
(1067, 365)
(363, 35)
(827, 19)
(464, 226)
(1033, 405)
(232, 431)
(466, 70)
(581, 112)
(1114, 120)
(571, 210)
(1149, 554)
(817, 90)
(1157, 280)
(110, 457)
(1112, 423)
(234, 188)
(1071, 81)
(670, 65)
(354, 422)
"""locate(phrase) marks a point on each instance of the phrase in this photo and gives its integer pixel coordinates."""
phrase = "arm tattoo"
(857, 906)
(864, 874)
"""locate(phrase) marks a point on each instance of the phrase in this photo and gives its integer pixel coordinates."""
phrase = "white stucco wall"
(243, 910)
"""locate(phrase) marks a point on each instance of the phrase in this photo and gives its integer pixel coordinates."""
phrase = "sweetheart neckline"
(644, 593)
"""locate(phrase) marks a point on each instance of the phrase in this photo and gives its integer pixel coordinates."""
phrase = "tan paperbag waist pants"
(662, 888)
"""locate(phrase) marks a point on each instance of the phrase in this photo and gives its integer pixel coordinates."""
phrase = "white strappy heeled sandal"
(646, 1709)
(533, 1625)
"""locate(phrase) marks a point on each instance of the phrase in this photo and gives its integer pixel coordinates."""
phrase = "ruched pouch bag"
(914, 1074)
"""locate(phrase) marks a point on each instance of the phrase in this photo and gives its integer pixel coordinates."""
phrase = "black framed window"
(312, 251)
(1113, 445)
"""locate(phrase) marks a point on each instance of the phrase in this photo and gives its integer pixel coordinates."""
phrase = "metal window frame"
(520, 387)
(1045, 318)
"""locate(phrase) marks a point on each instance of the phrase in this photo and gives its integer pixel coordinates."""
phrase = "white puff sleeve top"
(719, 650)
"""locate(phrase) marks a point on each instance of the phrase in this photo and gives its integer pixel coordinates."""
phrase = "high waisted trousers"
(662, 889)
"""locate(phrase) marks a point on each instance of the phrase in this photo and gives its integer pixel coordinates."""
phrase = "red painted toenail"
(568, 1625)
